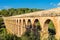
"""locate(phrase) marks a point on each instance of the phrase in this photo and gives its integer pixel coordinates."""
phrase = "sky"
(40, 4)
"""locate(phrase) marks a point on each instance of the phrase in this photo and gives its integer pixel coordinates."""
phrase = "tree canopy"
(18, 11)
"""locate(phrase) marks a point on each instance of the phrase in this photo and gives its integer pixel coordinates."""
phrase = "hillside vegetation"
(11, 12)
(18, 11)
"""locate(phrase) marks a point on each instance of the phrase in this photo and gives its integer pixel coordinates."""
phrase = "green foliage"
(30, 36)
(51, 28)
(5, 36)
(12, 11)
(51, 25)
(12, 37)
(1, 23)
(1, 19)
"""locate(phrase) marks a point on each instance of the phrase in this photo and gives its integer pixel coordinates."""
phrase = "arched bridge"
(16, 24)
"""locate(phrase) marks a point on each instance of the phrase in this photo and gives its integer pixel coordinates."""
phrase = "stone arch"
(37, 23)
(29, 21)
(47, 24)
(20, 22)
(24, 23)
(17, 20)
(29, 24)
(19, 27)
(48, 28)
(24, 26)
(36, 29)
(28, 28)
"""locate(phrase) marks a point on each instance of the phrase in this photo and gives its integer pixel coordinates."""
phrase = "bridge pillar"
(44, 33)
(16, 27)
(23, 29)
(32, 22)
(12, 27)
(57, 36)
(24, 25)
(58, 30)
(40, 30)
(21, 26)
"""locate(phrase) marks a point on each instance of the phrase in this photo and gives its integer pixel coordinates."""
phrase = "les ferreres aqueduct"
(16, 24)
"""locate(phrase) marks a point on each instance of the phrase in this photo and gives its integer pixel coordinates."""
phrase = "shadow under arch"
(24, 25)
(28, 28)
(51, 28)
(36, 29)
(20, 22)
(37, 24)
(29, 24)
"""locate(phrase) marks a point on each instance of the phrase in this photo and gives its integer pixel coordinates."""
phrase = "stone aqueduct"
(16, 24)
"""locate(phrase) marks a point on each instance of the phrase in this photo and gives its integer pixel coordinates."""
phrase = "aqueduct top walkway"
(15, 24)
